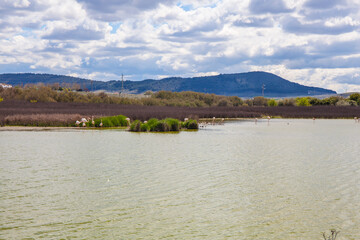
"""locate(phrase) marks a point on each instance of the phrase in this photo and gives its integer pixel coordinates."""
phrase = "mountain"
(238, 84)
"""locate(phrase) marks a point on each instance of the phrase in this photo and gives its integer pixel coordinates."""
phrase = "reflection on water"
(291, 179)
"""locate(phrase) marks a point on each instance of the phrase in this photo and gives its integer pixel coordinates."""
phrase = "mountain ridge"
(235, 84)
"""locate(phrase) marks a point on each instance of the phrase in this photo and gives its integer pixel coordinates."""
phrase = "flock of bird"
(213, 122)
(83, 121)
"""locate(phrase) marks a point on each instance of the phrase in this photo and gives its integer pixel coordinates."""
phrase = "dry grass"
(44, 120)
(46, 113)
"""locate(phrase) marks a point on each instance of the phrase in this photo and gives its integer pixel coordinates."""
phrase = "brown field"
(64, 114)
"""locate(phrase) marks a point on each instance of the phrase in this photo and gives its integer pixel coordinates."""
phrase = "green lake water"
(289, 179)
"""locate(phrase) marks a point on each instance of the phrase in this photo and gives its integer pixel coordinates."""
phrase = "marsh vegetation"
(40, 105)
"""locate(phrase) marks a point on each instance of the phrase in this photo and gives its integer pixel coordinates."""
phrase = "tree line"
(54, 93)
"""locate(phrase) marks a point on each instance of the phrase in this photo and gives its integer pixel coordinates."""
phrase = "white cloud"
(314, 43)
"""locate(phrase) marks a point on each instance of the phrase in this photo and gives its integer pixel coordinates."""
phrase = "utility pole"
(122, 83)
(263, 89)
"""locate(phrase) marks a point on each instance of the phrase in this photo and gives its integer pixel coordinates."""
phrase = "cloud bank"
(311, 42)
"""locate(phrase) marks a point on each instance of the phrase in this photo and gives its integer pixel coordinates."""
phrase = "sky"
(311, 42)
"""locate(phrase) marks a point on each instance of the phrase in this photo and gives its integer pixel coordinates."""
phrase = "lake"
(289, 179)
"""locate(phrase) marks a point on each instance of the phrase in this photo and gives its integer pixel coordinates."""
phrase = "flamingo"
(101, 124)
(92, 120)
(77, 123)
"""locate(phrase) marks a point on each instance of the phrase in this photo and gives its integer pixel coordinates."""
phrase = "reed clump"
(190, 124)
(165, 125)
(135, 126)
(112, 121)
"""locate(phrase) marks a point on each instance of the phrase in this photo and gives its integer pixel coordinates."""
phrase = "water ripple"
(237, 181)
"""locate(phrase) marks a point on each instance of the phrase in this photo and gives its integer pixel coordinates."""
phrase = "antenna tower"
(122, 83)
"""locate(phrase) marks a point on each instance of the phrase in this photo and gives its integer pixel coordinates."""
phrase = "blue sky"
(312, 42)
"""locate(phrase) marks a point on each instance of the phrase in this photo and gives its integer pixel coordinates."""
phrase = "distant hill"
(237, 84)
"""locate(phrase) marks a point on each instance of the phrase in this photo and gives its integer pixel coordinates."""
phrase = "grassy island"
(152, 125)
(166, 125)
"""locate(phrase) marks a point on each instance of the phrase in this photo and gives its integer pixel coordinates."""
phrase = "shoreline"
(37, 128)
(53, 128)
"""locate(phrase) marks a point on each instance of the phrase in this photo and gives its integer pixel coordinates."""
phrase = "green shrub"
(155, 125)
(161, 126)
(304, 102)
(236, 101)
(144, 127)
(355, 97)
(191, 124)
(330, 100)
(113, 121)
(249, 102)
(174, 124)
(272, 103)
(107, 122)
(315, 101)
(152, 122)
(135, 126)
(260, 101)
(223, 103)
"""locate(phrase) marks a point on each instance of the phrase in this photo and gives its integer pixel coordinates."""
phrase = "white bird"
(186, 119)
(92, 121)
(101, 124)
(84, 124)
(77, 123)
(128, 121)
(213, 121)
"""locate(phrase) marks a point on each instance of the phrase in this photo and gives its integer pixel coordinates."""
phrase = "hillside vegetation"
(249, 84)
(41, 93)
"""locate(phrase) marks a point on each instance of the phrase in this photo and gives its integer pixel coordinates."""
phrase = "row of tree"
(41, 93)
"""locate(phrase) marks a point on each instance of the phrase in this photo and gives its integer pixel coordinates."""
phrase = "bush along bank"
(165, 125)
(112, 121)
(152, 125)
